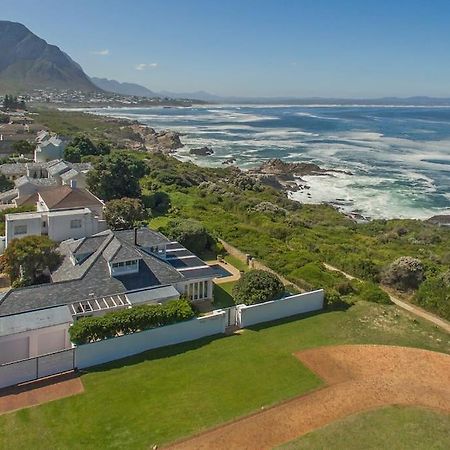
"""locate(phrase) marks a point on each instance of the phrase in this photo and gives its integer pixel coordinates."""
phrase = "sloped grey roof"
(58, 168)
(91, 277)
(69, 174)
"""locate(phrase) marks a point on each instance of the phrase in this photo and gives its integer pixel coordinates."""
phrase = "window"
(20, 229)
(75, 223)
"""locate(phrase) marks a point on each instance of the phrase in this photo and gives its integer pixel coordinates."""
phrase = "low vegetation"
(257, 286)
(221, 377)
(126, 321)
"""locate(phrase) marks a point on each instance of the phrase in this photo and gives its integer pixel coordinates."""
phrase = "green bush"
(257, 286)
(434, 294)
(370, 292)
(128, 321)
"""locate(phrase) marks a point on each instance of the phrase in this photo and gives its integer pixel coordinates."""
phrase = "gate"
(232, 316)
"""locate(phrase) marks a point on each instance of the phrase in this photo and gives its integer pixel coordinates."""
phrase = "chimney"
(135, 236)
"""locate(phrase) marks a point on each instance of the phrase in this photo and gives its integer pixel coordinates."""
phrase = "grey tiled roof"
(58, 168)
(91, 277)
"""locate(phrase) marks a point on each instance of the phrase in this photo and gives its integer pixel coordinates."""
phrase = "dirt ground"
(358, 377)
(42, 391)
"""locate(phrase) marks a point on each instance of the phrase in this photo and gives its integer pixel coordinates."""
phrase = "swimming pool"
(220, 271)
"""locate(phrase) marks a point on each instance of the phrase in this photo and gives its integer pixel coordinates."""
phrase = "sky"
(301, 48)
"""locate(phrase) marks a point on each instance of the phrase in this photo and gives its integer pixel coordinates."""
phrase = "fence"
(34, 368)
(277, 309)
(119, 347)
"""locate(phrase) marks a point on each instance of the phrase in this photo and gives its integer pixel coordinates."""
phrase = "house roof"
(91, 276)
(71, 173)
(61, 197)
(58, 168)
(33, 320)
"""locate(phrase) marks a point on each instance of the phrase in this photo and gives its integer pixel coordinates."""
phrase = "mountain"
(123, 88)
(29, 62)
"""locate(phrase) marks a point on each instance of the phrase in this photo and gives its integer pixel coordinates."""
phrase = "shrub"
(434, 294)
(404, 273)
(124, 213)
(333, 299)
(126, 321)
(370, 292)
(257, 286)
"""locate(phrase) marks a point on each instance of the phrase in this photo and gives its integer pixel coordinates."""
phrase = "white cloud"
(104, 52)
(143, 66)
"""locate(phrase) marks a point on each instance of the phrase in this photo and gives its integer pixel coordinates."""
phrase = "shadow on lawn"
(157, 353)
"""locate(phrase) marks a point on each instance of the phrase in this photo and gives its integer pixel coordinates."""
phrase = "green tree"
(26, 260)
(124, 213)
(257, 286)
(23, 146)
(5, 184)
(116, 176)
(158, 202)
(191, 234)
(434, 294)
(82, 146)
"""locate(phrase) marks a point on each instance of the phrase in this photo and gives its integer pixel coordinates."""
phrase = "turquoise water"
(399, 156)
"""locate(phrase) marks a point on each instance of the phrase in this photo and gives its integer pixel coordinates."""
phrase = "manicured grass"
(393, 428)
(223, 297)
(240, 265)
(172, 392)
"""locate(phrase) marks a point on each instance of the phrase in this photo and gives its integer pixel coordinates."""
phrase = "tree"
(191, 234)
(159, 202)
(124, 213)
(404, 273)
(27, 259)
(82, 146)
(23, 147)
(116, 176)
(5, 184)
(257, 286)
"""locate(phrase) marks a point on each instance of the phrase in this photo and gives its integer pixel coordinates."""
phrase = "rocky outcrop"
(163, 141)
(202, 151)
(283, 175)
(229, 161)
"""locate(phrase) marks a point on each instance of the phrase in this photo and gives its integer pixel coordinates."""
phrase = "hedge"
(126, 321)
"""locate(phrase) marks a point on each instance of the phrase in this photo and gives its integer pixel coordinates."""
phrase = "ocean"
(399, 157)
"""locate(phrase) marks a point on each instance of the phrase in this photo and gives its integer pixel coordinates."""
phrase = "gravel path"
(358, 377)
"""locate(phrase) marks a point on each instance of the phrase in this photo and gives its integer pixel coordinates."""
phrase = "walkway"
(402, 304)
(41, 391)
(358, 377)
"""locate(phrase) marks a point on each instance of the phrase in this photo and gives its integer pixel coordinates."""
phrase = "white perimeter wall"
(277, 309)
(115, 348)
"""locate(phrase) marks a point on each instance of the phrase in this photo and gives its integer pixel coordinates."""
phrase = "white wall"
(116, 348)
(277, 309)
(33, 223)
(59, 226)
(33, 343)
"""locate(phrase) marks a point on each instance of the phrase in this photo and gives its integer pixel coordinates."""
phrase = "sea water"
(399, 157)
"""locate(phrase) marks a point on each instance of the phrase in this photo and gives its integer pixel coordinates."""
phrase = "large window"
(20, 229)
(197, 290)
(75, 223)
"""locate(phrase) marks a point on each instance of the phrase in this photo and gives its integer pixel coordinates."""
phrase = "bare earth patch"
(38, 392)
(359, 377)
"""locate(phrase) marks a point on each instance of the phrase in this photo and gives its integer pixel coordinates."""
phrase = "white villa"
(99, 274)
(49, 147)
(63, 212)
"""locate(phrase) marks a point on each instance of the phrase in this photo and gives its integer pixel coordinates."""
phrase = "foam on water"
(399, 156)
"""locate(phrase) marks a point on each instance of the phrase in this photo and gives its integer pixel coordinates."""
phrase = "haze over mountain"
(29, 62)
(123, 88)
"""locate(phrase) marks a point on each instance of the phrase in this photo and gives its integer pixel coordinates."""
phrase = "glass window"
(20, 229)
(75, 223)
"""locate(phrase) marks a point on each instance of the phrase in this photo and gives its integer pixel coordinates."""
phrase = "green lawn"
(168, 393)
(222, 295)
(240, 265)
(393, 428)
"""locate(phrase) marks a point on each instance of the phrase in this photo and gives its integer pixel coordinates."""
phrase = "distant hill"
(123, 88)
(29, 62)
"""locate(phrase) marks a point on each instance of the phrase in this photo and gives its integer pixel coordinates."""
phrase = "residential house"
(99, 274)
(63, 212)
(49, 149)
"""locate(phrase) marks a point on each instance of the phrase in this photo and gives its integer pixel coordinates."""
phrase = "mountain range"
(29, 62)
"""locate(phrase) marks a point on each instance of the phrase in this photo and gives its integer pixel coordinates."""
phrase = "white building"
(62, 213)
(50, 148)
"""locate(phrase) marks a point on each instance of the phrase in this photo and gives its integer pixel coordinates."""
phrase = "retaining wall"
(120, 347)
(277, 309)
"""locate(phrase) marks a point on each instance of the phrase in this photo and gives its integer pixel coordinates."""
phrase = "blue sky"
(346, 48)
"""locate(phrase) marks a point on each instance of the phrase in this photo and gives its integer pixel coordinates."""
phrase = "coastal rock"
(169, 140)
(229, 161)
(203, 151)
